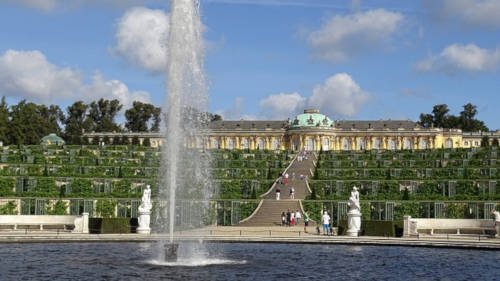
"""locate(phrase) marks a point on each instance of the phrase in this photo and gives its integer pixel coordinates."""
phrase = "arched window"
(392, 144)
(215, 144)
(423, 144)
(276, 144)
(449, 143)
(326, 144)
(260, 145)
(377, 143)
(362, 144)
(347, 144)
(310, 144)
(408, 144)
(230, 144)
(296, 144)
(245, 143)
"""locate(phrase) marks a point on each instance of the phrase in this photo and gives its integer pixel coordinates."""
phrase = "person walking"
(286, 178)
(306, 221)
(288, 217)
(278, 192)
(283, 219)
(292, 218)
(292, 192)
(326, 222)
(497, 222)
(298, 216)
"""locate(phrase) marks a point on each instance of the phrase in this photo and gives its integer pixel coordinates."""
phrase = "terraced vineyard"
(108, 181)
(442, 183)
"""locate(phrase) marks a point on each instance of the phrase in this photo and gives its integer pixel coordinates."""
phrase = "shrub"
(9, 208)
(111, 225)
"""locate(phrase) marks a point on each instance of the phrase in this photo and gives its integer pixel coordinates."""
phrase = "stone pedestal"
(143, 219)
(353, 223)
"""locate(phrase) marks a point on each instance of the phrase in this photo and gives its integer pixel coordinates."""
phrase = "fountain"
(186, 170)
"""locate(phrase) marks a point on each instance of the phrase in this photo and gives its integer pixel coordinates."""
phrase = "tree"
(426, 120)
(76, 122)
(135, 140)
(139, 116)
(485, 141)
(4, 121)
(468, 122)
(146, 142)
(495, 142)
(117, 140)
(102, 114)
(30, 122)
(439, 113)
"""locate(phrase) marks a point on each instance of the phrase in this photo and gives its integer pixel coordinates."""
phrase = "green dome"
(311, 118)
(52, 139)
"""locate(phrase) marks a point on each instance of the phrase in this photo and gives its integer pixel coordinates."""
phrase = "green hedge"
(376, 228)
(112, 225)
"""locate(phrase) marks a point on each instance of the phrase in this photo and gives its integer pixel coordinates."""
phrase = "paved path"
(275, 234)
(269, 213)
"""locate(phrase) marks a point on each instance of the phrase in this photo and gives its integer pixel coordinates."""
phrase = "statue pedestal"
(143, 219)
(353, 223)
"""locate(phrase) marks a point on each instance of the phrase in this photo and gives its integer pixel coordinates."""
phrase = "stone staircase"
(269, 212)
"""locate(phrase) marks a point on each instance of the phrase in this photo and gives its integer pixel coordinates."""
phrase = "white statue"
(354, 214)
(354, 200)
(145, 212)
(146, 199)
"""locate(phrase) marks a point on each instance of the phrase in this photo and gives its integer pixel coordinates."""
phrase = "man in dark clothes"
(288, 217)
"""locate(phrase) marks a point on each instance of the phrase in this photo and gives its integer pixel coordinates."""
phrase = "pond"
(245, 261)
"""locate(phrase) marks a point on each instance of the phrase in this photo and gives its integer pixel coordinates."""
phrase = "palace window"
(310, 144)
(326, 144)
(230, 144)
(215, 143)
(377, 143)
(261, 144)
(449, 143)
(392, 144)
(408, 144)
(423, 144)
(245, 143)
(362, 145)
(466, 143)
(347, 144)
(276, 144)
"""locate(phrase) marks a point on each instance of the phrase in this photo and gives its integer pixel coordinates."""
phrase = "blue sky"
(265, 59)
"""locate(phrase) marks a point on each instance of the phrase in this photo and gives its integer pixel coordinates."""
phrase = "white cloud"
(339, 95)
(459, 57)
(468, 12)
(141, 38)
(29, 75)
(44, 5)
(112, 89)
(282, 105)
(51, 5)
(342, 37)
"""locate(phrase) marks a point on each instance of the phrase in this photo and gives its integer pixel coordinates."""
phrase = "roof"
(376, 124)
(247, 125)
(52, 139)
(311, 118)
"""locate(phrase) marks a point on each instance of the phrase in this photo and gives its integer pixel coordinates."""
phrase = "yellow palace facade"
(313, 131)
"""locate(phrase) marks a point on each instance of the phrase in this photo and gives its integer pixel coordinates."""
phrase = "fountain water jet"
(187, 102)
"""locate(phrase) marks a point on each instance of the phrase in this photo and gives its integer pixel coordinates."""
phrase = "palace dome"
(311, 118)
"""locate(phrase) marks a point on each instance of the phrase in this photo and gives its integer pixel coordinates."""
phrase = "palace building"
(313, 131)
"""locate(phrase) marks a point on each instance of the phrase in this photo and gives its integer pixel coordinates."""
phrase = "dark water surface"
(133, 261)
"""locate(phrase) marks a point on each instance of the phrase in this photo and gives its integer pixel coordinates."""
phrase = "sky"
(264, 59)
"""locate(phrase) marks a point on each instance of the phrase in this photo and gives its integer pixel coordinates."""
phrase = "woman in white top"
(297, 217)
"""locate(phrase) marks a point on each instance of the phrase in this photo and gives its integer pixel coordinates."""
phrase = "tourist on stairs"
(278, 192)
